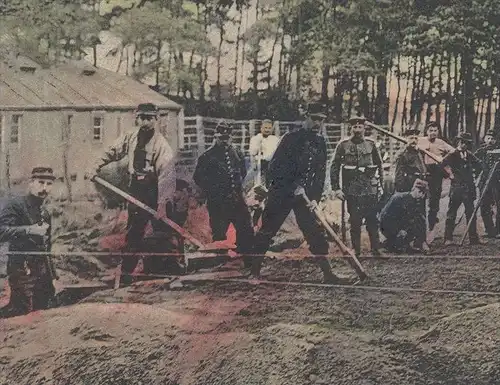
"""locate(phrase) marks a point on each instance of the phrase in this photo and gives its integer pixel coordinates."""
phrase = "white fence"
(199, 133)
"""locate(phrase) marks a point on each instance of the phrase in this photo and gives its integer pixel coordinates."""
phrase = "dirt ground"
(243, 333)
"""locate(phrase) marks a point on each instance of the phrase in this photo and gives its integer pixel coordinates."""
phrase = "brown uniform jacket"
(409, 166)
(159, 161)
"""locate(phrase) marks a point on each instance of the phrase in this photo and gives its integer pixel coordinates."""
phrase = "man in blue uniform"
(219, 173)
(299, 162)
(26, 225)
(402, 221)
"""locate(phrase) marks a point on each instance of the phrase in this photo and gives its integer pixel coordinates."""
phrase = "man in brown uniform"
(436, 172)
(151, 169)
(360, 160)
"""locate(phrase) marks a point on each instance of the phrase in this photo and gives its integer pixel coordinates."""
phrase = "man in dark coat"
(26, 226)
(492, 195)
(360, 162)
(219, 173)
(410, 164)
(402, 221)
(463, 164)
(299, 162)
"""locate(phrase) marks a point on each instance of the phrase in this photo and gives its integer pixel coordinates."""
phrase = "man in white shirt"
(262, 147)
(440, 148)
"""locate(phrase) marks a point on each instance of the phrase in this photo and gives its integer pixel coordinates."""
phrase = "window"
(98, 125)
(15, 128)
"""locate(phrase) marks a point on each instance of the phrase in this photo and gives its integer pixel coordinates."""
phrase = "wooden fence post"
(200, 135)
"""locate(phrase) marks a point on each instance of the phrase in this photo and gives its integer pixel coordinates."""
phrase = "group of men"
(404, 216)
(291, 169)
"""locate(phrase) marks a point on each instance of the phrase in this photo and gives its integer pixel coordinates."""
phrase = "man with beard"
(219, 173)
(298, 164)
(360, 161)
(492, 195)
(262, 148)
(464, 164)
(436, 171)
(402, 221)
(151, 169)
(410, 163)
(26, 225)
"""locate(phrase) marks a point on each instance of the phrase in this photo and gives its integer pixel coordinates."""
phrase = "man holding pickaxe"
(297, 170)
(152, 175)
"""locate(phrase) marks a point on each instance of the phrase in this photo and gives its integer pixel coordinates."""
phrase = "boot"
(328, 275)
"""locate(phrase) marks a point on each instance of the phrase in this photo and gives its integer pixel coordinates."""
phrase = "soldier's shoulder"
(12, 201)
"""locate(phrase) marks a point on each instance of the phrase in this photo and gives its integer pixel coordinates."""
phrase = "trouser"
(235, 211)
(276, 211)
(435, 180)
(415, 232)
(459, 195)
(360, 207)
(491, 197)
(29, 293)
(147, 193)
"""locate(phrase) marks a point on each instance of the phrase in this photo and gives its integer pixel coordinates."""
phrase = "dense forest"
(395, 61)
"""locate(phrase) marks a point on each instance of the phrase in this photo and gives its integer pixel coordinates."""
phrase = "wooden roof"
(72, 85)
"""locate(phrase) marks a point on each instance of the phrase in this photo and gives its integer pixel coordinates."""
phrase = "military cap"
(42, 172)
(356, 119)
(464, 136)
(490, 133)
(422, 185)
(223, 128)
(315, 110)
(147, 109)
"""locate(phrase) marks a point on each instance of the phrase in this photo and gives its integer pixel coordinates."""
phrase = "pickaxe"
(353, 261)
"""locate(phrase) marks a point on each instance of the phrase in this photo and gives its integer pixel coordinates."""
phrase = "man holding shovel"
(152, 175)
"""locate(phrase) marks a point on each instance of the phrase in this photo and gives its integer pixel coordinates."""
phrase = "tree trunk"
(470, 117)
(325, 81)
(448, 97)
(381, 111)
(487, 118)
(396, 105)
(219, 56)
(238, 40)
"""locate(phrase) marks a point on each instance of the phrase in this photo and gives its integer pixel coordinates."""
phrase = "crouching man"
(26, 226)
(402, 221)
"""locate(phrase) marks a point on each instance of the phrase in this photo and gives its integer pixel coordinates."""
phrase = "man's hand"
(339, 194)
(402, 233)
(164, 210)
(313, 206)
(92, 173)
(299, 191)
(39, 230)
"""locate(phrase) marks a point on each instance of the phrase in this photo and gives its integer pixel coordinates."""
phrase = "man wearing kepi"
(410, 164)
(492, 194)
(26, 225)
(219, 173)
(464, 165)
(361, 175)
(299, 163)
(151, 169)
(402, 221)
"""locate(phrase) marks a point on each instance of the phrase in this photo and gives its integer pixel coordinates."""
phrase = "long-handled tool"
(185, 234)
(353, 261)
(478, 203)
